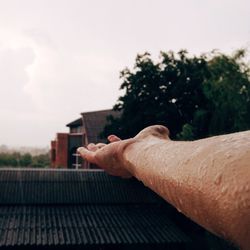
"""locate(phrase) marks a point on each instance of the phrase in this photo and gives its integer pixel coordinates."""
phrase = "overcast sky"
(62, 57)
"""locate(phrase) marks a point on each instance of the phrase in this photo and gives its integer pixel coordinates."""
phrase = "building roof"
(94, 123)
(55, 187)
(87, 225)
(81, 208)
(77, 122)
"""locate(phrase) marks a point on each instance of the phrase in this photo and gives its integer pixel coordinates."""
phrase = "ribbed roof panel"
(70, 187)
(86, 225)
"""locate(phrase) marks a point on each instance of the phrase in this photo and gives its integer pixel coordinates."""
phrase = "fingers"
(86, 154)
(100, 145)
(113, 138)
(93, 147)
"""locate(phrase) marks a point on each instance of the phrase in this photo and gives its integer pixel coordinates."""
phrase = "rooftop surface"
(51, 208)
(74, 123)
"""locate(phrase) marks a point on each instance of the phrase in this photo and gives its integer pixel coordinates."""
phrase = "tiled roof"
(94, 123)
(81, 208)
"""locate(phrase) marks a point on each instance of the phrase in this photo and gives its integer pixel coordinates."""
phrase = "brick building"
(82, 131)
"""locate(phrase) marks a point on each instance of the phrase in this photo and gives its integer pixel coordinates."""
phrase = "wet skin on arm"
(208, 180)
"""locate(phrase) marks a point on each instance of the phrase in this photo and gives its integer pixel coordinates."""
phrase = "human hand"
(110, 157)
(107, 156)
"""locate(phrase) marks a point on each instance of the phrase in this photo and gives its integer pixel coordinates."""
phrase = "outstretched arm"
(208, 180)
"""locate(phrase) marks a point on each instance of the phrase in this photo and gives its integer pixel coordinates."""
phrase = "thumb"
(113, 138)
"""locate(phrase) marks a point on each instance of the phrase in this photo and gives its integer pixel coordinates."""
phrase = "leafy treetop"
(194, 97)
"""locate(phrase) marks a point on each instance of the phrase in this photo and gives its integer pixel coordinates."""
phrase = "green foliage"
(9, 159)
(228, 90)
(41, 160)
(194, 97)
(187, 132)
(24, 160)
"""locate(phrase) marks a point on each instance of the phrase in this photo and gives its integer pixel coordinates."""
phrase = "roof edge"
(71, 123)
(97, 111)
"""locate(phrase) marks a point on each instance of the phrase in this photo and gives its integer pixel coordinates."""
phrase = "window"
(77, 129)
(77, 162)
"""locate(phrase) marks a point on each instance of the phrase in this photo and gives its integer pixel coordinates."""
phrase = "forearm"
(208, 180)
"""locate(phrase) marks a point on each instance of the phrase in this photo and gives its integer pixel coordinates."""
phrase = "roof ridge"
(97, 111)
(76, 120)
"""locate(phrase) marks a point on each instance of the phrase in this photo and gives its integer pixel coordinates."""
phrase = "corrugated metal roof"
(74, 208)
(86, 225)
(71, 187)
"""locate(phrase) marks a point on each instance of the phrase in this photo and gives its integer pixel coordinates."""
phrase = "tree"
(228, 89)
(16, 159)
(194, 97)
(40, 161)
(25, 160)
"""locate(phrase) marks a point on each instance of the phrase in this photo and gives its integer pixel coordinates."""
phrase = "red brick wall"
(53, 154)
(62, 150)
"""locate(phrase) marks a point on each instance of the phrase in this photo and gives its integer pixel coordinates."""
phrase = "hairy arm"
(208, 180)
